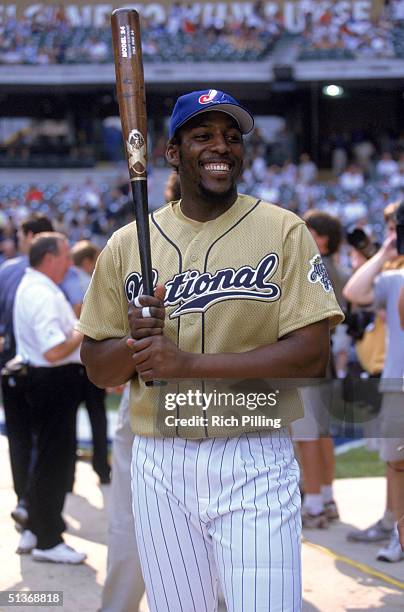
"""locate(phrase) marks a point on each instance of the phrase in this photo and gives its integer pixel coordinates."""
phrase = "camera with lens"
(360, 241)
(357, 321)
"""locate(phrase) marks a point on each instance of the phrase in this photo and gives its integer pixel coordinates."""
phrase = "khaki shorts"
(315, 423)
(392, 427)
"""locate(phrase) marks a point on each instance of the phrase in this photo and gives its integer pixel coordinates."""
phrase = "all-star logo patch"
(192, 291)
(318, 273)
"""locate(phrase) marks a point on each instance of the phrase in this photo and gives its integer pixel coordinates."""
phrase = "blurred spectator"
(259, 164)
(172, 190)
(352, 179)
(288, 173)
(339, 156)
(112, 135)
(74, 286)
(386, 166)
(16, 410)
(316, 448)
(397, 179)
(363, 152)
(354, 211)
(7, 249)
(372, 284)
(307, 170)
(34, 195)
(47, 341)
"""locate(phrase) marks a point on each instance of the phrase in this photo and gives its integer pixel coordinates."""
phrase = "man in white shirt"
(46, 339)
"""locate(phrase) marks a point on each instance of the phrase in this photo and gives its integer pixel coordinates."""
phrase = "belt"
(60, 368)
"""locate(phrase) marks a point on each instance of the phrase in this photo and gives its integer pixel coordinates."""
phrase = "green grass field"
(112, 401)
(358, 463)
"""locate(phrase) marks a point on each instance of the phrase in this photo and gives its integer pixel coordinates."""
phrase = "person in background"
(373, 284)
(399, 471)
(316, 448)
(307, 170)
(383, 528)
(16, 410)
(7, 249)
(74, 285)
(85, 254)
(47, 341)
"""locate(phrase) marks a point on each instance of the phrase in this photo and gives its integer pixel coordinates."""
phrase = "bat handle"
(140, 199)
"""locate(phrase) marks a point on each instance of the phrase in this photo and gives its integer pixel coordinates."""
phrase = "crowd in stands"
(80, 211)
(357, 194)
(364, 177)
(359, 188)
(331, 38)
(186, 34)
(182, 37)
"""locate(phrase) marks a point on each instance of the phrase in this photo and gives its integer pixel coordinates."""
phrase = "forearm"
(303, 353)
(359, 288)
(108, 362)
(64, 349)
(284, 359)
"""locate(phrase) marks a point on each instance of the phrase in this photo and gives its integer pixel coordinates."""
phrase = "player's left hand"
(158, 358)
(142, 327)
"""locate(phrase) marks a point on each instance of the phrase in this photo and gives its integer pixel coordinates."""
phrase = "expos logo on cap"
(209, 97)
(196, 102)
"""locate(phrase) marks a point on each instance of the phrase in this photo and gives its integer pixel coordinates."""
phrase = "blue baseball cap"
(197, 102)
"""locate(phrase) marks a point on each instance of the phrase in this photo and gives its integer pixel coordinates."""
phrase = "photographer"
(373, 285)
(311, 433)
(365, 326)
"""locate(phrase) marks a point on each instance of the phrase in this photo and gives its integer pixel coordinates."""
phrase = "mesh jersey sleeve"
(104, 312)
(307, 294)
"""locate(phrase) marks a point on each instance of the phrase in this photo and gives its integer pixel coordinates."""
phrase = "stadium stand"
(181, 39)
(186, 37)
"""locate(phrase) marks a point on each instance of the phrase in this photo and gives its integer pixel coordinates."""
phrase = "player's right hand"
(142, 327)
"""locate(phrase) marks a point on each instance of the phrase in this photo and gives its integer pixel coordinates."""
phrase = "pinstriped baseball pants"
(223, 509)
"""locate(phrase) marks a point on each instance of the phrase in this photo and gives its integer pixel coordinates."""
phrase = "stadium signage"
(292, 13)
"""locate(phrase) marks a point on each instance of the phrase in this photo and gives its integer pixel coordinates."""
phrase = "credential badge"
(318, 273)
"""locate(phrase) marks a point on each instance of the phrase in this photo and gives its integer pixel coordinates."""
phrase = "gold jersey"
(238, 282)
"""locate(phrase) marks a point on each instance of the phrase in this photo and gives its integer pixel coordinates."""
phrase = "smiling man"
(240, 295)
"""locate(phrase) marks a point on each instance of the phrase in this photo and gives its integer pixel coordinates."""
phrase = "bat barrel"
(130, 88)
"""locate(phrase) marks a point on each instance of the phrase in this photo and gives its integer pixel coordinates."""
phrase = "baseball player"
(241, 294)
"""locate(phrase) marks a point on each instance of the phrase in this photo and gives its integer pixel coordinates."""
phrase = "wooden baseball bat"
(131, 96)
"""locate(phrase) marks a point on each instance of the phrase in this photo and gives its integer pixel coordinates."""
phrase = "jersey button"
(194, 257)
(192, 320)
